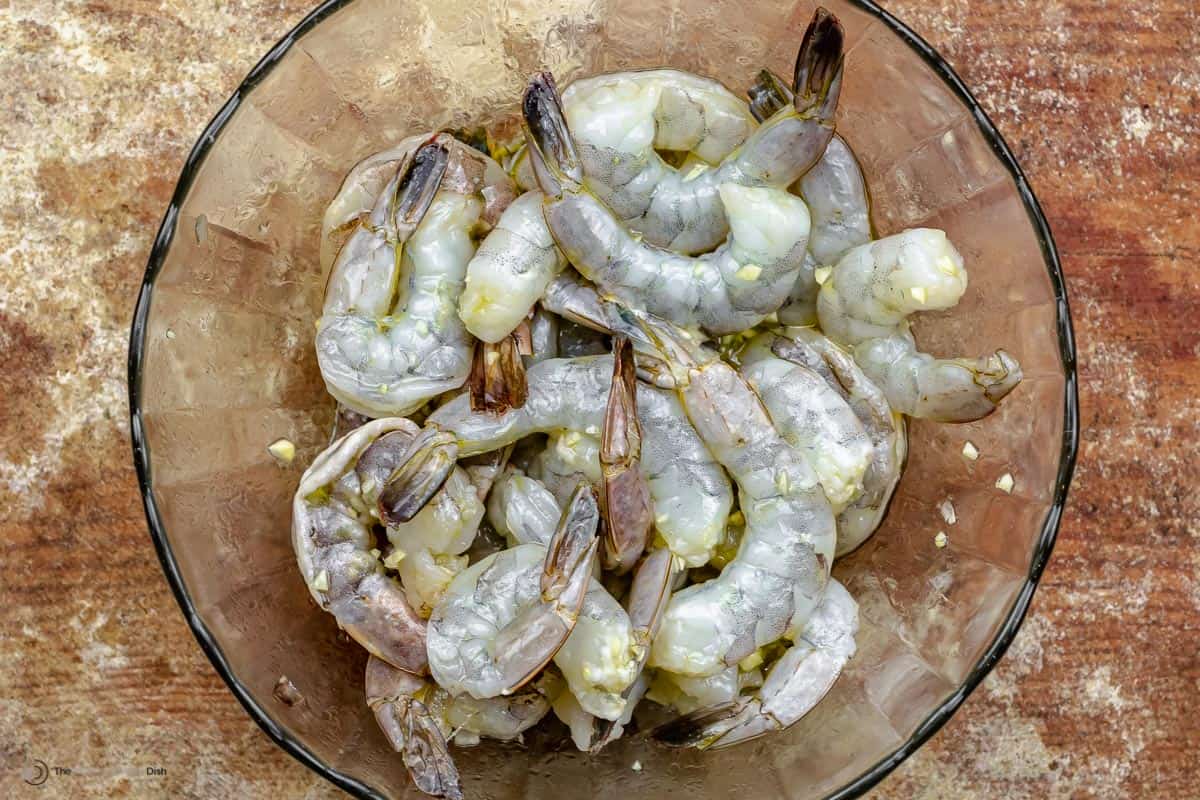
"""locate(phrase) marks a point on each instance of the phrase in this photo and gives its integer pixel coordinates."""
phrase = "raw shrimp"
(838, 202)
(621, 119)
(510, 270)
(366, 179)
(885, 427)
(690, 492)
(834, 189)
(865, 303)
(411, 729)
(793, 686)
(783, 562)
(569, 457)
(334, 544)
(501, 620)
(730, 289)
(684, 210)
(382, 354)
(813, 418)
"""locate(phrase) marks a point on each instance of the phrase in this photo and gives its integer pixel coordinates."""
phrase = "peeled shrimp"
(334, 544)
(730, 289)
(386, 346)
(620, 121)
(865, 303)
(782, 564)
(604, 655)
(510, 270)
(815, 420)
(683, 209)
(690, 492)
(501, 620)
(885, 427)
(793, 686)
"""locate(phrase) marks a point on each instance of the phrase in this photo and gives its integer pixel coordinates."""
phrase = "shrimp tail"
(625, 498)
(420, 177)
(769, 93)
(497, 380)
(939, 389)
(553, 155)
(528, 643)
(427, 756)
(411, 730)
(817, 81)
(705, 727)
(426, 466)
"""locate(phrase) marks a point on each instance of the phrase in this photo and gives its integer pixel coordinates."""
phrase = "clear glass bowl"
(221, 364)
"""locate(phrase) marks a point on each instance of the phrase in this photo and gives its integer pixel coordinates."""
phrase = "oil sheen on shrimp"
(690, 492)
(783, 561)
(389, 338)
(335, 549)
(729, 289)
(865, 304)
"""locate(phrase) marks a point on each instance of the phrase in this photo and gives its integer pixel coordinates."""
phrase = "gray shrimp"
(793, 686)
(865, 303)
(690, 491)
(782, 565)
(885, 428)
(683, 209)
(729, 289)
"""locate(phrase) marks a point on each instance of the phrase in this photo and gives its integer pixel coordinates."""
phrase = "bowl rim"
(934, 721)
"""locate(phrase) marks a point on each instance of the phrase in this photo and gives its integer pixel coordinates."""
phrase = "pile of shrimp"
(612, 399)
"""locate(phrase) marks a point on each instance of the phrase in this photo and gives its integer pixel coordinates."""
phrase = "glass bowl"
(222, 364)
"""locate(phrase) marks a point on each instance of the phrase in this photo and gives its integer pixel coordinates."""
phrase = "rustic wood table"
(101, 679)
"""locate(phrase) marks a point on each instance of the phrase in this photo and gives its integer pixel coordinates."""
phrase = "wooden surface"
(1098, 697)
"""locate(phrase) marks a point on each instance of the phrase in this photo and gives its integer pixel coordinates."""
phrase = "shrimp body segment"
(510, 270)
(690, 492)
(816, 420)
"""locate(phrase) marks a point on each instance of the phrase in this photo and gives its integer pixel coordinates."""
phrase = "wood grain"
(98, 672)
